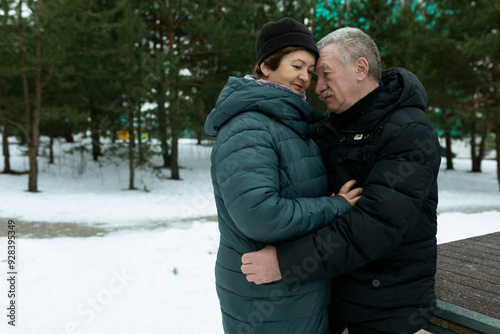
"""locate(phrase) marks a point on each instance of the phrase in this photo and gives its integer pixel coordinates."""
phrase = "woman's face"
(295, 71)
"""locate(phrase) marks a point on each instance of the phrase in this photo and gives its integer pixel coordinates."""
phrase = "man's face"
(337, 85)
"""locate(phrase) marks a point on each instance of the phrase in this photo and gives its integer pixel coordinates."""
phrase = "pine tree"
(474, 27)
(31, 59)
(9, 78)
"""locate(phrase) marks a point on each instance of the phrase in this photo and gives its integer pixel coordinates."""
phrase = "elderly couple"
(329, 228)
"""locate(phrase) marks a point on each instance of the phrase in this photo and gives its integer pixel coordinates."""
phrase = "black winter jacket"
(381, 256)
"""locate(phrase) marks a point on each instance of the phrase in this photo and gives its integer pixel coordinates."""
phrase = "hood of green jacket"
(240, 95)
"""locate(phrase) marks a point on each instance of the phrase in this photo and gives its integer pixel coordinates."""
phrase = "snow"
(93, 257)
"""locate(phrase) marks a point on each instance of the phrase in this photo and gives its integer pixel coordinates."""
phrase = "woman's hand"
(351, 195)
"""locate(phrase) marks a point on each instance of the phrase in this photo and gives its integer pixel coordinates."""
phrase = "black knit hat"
(275, 36)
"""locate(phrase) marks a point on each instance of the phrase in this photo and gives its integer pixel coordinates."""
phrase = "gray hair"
(352, 43)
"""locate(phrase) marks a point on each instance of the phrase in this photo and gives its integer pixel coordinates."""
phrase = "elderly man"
(381, 256)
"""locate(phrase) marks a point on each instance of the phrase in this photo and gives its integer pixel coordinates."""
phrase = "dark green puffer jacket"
(268, 176)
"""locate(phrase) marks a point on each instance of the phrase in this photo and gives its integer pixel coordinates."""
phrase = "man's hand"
(262, 266)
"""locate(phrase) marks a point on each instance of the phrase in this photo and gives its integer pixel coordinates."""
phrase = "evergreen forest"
(133, 71)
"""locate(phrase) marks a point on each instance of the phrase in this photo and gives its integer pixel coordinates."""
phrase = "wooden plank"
(492, 237)
(476, 258)
(468, 274)
(464, 279)
(476, 264)
(493, 244)
(451, 326)
(474, 247)
(466, 268)
(469, 269)
(472, 299)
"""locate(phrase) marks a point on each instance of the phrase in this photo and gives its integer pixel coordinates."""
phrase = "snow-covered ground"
(93, 257)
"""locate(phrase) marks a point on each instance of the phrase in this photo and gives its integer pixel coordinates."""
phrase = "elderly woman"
(270, 183)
